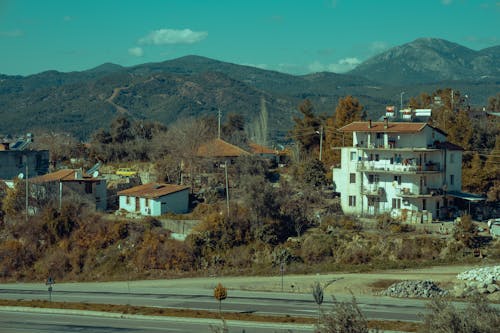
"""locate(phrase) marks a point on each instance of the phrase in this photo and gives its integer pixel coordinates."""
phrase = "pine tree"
(306, 129)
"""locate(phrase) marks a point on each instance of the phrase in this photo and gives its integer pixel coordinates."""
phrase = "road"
(17, 322)
(264, 303)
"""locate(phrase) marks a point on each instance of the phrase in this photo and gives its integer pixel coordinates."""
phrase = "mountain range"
(191, 86)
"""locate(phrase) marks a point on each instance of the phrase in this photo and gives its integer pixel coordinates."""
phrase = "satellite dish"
(20, 176)
(95, 174)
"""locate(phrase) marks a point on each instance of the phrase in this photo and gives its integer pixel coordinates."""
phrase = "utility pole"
(27, 188)
(227, 189)
(320, 141)
(219, 116)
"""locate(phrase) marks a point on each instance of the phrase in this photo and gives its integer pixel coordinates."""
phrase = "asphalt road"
(265, 303)
(27, 322)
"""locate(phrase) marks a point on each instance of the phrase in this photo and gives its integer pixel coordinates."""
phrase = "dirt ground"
(343, 283)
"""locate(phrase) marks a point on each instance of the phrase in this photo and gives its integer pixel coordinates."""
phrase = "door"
(137, 204)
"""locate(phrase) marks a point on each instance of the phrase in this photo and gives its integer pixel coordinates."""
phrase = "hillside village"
(204, 196)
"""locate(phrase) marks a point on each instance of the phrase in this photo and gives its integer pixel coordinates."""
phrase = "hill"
(192, 86)
(428, 60)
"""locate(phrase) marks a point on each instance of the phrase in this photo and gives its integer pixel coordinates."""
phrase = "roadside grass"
(401, 326)
(382, 284)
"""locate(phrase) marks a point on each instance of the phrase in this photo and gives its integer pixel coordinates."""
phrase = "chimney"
(369, 123)
(386, 123)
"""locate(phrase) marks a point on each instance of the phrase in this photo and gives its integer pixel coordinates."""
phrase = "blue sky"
(293, 36)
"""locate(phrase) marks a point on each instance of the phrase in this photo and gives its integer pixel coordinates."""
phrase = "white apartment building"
(406, 169)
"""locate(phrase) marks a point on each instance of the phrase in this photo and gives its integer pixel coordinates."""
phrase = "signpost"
(50, 282)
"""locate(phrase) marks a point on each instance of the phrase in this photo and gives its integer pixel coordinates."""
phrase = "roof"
(393, 127)
(448, 145)
(153, 190)
(220, 148)
(466, 196)
(258, 149)
(64, 175)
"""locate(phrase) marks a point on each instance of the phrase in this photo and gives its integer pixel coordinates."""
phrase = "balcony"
(373, 190)
(384, 166)
(418, 192)
(391, 145)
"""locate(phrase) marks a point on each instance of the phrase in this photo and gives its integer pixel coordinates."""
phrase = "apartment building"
(406, 169)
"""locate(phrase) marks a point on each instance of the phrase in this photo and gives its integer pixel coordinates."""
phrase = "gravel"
(419, 289)
(487, 275)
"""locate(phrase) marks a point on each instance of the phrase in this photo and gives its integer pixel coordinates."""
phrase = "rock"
(492, 288)
(482, 291)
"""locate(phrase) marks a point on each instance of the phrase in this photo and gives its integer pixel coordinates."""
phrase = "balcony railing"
(416, 191)
(372, 190)
(386, 167)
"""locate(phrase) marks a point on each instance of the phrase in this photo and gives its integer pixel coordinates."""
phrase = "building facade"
(155, 199)
(401, 168)
(15, 162)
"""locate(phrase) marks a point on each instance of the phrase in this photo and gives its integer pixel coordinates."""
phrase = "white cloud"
(136, 51)
(378, 46)
(341, 66)
(172, 36)
(12, 33)
(67, 18)
(446, 2)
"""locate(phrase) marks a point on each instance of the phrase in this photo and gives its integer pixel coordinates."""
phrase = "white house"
(403, 168)
(155, 199)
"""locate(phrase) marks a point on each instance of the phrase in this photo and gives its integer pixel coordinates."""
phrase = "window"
(127, 200)
(397, 179)
(452, 158)
(379, 135)
(88, 187)
(352, 201)
(147, 202)
(452, 179)
(376, 157)
(352, 178)
(396, 203)
(370, 179)
(373, 179)
(353, 156)
(424, 204)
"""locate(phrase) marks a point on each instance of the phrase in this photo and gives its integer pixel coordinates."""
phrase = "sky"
(292, 36)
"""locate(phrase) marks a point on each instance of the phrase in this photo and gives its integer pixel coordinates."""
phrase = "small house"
(66, 182)
(155, 199)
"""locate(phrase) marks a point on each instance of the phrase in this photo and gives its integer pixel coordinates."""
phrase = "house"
(155, 199)
(16, 160)
(220, 150)
(406, 169)
(264, 152)
(63, 183)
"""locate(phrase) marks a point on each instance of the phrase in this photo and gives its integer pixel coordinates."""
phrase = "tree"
(348, 110)
(466, 231)
(494, 103)
(220, 294)
(306, 128)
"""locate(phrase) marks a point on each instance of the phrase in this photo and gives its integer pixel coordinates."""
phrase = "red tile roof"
(393, 127)
(258, 149)
(220, 148)
(152, 190)
(64, 175)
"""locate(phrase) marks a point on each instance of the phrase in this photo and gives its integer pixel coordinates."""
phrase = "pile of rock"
(482, 280)
(417, 289)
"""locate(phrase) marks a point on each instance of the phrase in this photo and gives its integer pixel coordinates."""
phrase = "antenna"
(95, 168)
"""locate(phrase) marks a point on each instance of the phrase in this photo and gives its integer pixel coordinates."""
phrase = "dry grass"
(170, 312)
(383, 284)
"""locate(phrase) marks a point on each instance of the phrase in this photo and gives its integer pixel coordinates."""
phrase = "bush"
(345, 317)
(479, 316)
